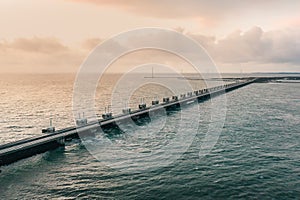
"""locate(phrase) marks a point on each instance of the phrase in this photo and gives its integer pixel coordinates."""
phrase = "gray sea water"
(257, 155)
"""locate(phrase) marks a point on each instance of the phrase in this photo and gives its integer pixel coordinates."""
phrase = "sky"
(56, 36)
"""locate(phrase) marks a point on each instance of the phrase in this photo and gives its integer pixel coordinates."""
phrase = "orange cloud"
(36, 44)
(91, 43)
(195, 8)
(254, 46)
(168, 8)
(38, 55)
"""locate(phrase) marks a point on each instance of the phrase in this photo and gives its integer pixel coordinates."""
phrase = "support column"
(61, 141)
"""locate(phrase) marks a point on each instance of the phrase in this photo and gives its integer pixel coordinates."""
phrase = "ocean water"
(256, 156)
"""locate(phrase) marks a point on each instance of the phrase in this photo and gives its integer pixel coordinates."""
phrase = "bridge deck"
(15, 151)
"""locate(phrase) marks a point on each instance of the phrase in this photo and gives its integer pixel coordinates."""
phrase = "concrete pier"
(25, 148)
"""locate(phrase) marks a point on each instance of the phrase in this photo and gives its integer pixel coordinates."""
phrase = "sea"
(244, 144)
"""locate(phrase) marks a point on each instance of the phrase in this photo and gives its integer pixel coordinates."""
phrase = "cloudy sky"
(40, 36)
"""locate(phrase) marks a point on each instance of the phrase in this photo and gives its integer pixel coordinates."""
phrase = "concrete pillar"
(61, 141)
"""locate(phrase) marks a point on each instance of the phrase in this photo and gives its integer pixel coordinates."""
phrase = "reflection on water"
(257, 154)
(28, 101)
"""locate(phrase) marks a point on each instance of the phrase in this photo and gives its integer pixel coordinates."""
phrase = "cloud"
(38, 55)
(35, 44)
(91, 43)
(213, 9)
(254, 45)
(172, 9)
(284, 46)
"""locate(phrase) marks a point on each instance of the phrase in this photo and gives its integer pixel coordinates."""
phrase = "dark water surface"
(257, 156)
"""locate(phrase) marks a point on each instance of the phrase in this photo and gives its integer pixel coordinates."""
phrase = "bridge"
(14, 151)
